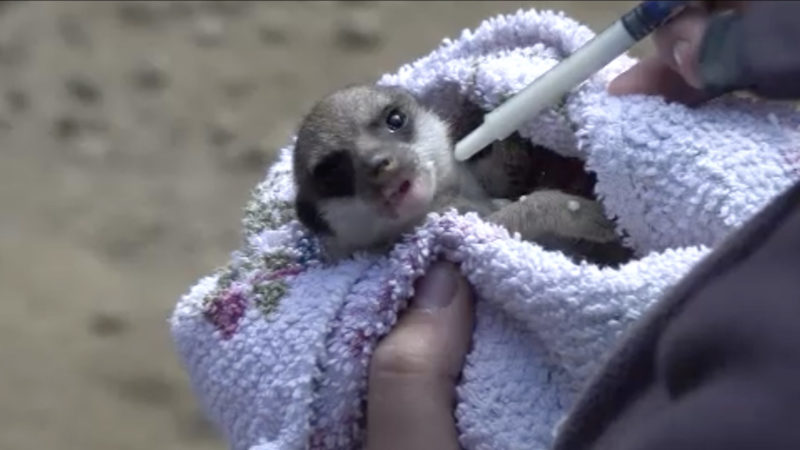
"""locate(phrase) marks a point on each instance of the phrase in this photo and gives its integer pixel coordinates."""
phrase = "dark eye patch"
(334, 176)
(308, 215)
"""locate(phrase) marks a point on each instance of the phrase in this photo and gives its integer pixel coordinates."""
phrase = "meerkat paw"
(544, 213)
(500, 203)
(573, 225)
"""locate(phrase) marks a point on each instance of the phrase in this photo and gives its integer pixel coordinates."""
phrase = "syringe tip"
(474, 142)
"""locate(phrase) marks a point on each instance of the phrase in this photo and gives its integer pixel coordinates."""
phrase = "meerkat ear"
(396, 90)
(350, 86)
(308, 214)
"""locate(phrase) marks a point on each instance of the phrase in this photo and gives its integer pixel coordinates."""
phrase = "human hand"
(672, 72)
(415, 368)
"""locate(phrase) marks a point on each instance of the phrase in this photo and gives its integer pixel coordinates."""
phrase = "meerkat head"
(368, 164)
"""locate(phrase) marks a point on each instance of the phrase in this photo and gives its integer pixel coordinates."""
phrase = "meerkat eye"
(395, 120)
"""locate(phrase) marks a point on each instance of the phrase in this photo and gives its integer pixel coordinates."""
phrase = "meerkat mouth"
(395, 193)
(406, 195)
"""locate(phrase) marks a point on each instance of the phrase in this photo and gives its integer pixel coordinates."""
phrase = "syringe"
(546, 90)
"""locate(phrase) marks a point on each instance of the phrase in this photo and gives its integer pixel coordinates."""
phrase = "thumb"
(673, 70)
(414, 369)
(432, 336)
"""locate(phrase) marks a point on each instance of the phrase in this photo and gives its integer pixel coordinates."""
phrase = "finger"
(678, 43)
(432, 336)
(652, 76)
(414, 370)
(672, 72)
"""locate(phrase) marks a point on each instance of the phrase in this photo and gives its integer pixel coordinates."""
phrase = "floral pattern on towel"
(277, 254)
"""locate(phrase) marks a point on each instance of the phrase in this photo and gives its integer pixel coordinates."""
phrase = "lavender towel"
(277, 344)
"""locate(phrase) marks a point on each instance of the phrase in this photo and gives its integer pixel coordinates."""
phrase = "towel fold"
(277, 343)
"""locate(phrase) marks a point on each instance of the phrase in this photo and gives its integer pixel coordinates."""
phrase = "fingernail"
(680, 52)
(436, 288)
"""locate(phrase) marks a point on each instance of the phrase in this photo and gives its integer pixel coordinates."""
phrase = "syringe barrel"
(548, 89)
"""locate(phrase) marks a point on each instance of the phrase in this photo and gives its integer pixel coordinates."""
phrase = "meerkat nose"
(382, 164)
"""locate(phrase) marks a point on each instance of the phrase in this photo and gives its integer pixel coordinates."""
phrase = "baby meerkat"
(371, 162)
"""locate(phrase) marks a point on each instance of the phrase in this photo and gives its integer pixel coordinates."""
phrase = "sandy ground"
(130, 137)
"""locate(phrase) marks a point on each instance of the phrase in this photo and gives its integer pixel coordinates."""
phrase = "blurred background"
(131, 134)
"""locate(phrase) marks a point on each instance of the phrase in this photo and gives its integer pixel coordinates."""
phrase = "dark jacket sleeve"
(754, 50)
(716, 365)
(729, 360)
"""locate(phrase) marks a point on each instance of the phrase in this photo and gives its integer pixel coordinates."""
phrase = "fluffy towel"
(277, 344)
